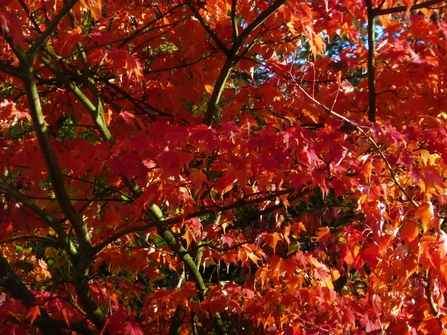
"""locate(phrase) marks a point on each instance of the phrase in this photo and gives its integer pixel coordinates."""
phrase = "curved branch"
(431, 301)
(156, 214)
(97, 248)
(190, 264)
(241, 203)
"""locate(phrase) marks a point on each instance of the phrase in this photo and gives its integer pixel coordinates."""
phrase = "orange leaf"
(323, 234)
(189, 237)
(409, 4)
(272, 240)
(409, 231)
(95, 7)
(33, 313)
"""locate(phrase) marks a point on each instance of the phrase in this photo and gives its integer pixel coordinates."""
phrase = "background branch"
(371, 63)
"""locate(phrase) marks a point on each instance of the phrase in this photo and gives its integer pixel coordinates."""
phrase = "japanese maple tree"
(223, 167)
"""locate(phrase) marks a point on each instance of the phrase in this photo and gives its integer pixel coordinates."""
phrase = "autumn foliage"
(223, 167)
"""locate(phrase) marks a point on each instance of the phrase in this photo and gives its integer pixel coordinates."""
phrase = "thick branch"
(210, 210)
(13, 285)
(399, 9)
(232, 58)
(96, 112)
(428, 293)
(234, 19)
(83, 261)
(157, 217)
(259, 20)
(372, 13)
(219, 87)
(51, 160)
(13, 71)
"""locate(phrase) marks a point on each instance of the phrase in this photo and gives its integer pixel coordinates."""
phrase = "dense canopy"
(223, 167)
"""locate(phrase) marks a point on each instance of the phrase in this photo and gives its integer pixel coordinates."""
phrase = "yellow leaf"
(209, 88)
(425, 213)
(189, 237)
(51, 252)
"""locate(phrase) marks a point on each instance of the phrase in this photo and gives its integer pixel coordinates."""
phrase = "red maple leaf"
(132, 328)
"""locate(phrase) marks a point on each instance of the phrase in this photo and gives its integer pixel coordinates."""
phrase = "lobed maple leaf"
(141, 187)
(132, 328)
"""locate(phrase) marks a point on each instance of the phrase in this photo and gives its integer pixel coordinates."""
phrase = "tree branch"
(369, 138)
(49, 220)
(211, 210)
(431, 301)
(82, 262)
(213, 35)
(372, 13)
(219, 87)
(371, 63)
(96, 112)
(13, 71)
(232, 58)
(51, 27)
(13, 285)
(190, 265)
(259, 20)
(30, 16)
(156, 214)
(378, 11)
(234, 19)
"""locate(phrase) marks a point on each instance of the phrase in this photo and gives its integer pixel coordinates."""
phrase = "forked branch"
(233, 55)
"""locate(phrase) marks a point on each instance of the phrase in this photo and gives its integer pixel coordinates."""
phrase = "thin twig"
(369, 138)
